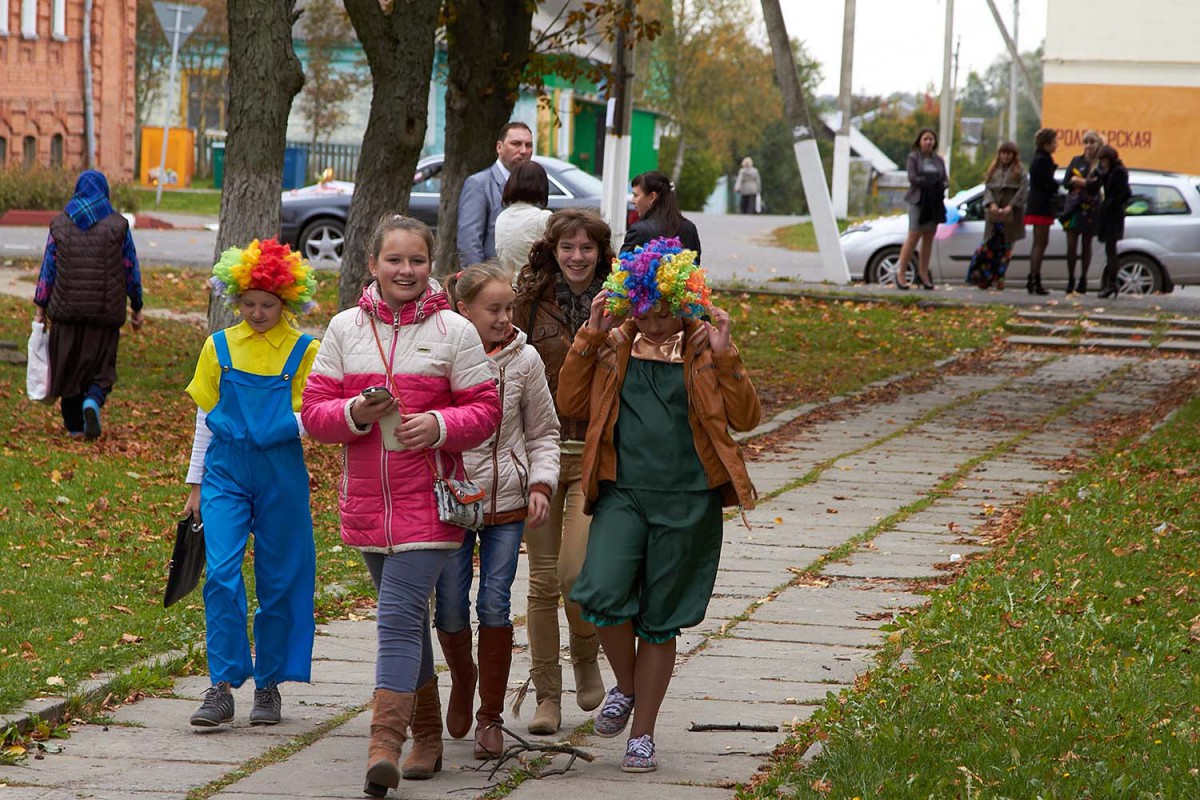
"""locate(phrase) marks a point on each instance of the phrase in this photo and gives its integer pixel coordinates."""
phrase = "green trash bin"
(218, 164)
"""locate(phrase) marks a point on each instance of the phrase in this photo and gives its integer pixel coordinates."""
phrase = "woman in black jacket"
(659, 215)
(1110, 227)
(1082, 206)
(1040, 212)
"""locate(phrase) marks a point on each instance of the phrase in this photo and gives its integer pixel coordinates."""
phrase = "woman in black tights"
(1111, 226)
(1040, 211)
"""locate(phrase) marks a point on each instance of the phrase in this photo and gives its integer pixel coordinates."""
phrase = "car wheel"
(1138, 274)
(321, 243)
(882, 267)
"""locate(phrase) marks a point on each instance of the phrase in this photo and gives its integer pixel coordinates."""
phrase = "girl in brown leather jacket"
(660, 392)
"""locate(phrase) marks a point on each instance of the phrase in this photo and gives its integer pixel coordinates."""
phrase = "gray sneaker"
(267, 705)
(216, 708)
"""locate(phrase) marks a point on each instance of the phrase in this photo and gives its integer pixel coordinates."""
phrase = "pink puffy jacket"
(438, 364)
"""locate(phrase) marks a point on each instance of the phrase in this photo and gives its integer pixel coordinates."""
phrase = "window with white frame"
(58, 19)
(29, 19)
(3, 17)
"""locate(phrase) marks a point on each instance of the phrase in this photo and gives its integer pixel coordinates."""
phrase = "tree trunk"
(399, 45)
(264, 76)
(487, 49)
(677, 167)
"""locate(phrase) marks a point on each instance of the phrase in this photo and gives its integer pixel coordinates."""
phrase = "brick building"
(43, 109)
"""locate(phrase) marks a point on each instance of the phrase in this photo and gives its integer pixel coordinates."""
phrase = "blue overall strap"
(293, 362)
(222, 347)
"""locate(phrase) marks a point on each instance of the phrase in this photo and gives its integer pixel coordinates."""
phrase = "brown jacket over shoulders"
(720, 397)
(549, 334)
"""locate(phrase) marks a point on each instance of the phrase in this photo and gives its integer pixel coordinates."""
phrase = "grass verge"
(1062, 667)
(205, 202)
(801, 236)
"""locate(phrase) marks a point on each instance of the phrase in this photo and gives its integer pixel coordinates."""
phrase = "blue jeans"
(405, 581)
(499, 547)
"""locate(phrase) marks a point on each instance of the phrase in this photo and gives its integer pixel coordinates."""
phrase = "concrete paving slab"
(807, 634)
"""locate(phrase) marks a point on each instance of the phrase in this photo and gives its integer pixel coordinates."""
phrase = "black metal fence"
(341, 158)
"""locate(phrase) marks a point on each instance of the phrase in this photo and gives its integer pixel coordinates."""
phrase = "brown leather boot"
(589, 685)
(389, 728)
(425, 755)
(457, 649)
(547, 682)
(495, 659)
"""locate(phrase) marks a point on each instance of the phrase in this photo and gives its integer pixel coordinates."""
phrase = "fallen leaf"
(122, 609)
(129, 638)
(55, 680)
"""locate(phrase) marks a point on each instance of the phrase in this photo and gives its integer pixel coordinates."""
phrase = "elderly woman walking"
(748, 186)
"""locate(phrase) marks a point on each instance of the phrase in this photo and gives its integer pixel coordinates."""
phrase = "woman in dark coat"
(89, 269)
(1005, 188)
(1040, 212)
(659, 215)
(1081, 208)
(927, 179)
(1110, 226)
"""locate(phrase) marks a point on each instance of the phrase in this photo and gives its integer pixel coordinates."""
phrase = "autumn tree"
(264, 77)
(151, 63)
(399, 45)
(327, 87)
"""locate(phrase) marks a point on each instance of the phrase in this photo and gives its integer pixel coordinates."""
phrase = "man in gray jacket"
(479, 204)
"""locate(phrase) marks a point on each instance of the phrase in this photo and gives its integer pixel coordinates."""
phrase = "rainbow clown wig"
(659, 274)
(269, 267)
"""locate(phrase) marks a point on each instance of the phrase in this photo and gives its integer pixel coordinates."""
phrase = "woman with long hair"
(1005, 189)
(1110, 225)
(1081, 209)
(659, 215)
(1043, 186)
(927, 179)
(555, 290)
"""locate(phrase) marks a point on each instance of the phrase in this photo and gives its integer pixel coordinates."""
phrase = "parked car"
(314, 217)
(1161, 244)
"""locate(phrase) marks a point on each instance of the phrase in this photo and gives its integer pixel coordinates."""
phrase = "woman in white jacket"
(523, 220)
(518, 468)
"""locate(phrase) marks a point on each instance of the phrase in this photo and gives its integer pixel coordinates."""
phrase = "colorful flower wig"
(659, 272)
(269, 267)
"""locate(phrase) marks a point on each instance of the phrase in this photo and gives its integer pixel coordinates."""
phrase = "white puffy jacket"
(524, 451)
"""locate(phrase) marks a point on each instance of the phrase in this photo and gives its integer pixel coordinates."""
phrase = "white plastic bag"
(37, 369)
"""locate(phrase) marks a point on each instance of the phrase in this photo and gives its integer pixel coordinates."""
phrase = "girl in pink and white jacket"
(440, 400)
(518, 468)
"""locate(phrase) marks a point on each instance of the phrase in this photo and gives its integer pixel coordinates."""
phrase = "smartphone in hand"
(376, 394)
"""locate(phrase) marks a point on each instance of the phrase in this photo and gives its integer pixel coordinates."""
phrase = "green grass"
(1062, 667)
(801, 236)
(86, 528)
(205, 202)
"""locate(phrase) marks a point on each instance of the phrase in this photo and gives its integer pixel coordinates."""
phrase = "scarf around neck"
(576, 308)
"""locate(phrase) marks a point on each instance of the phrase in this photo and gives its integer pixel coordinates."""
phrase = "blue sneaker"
(613, 716)
(91, 419)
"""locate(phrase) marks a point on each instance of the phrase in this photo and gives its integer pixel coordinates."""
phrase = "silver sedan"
(1161, 244)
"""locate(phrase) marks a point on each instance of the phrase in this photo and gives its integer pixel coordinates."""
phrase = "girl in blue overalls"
(247, 474)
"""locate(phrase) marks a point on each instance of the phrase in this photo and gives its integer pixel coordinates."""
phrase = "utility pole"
(947, 111)
(841, 142)
(615, 173)
(812, 174)
(1026, 80)
(1012, 74)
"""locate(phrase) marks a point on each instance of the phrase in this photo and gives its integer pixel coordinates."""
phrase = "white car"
(1161, 247)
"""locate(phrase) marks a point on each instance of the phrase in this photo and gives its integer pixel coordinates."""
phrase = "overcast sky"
(898, 43)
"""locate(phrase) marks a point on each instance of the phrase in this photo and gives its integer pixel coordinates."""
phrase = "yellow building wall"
(1152, 127)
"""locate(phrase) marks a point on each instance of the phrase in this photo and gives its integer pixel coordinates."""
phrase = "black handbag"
(187, 561)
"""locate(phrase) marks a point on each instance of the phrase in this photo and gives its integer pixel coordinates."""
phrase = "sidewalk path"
(909, 480)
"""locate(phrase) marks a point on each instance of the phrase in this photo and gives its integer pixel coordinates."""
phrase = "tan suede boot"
(389, 729)
(457, 649)
(425, 756)
(589, 685)
(495, 659)
(547, 682)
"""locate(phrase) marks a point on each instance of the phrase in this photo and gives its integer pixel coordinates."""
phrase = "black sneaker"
(267, 704)
(216, 708)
